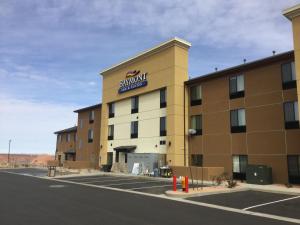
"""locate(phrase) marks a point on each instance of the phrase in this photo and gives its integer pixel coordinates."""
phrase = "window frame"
(238, 93)
(163, 123)
(193, 99)
(134, 104)
(111, 110)
(291, 124)
(134, 129)
(238, 128)
(241, 174)
(163, 98)
(90, 135)
(289, 83)
(198, 131)
(111, 128)
(196, 160)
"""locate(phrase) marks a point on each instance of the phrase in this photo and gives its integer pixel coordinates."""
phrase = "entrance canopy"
(128, 148)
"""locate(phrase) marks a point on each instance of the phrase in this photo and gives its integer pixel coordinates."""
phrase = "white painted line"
(269, 203)
(91, 178)
(224, 208)
(169, 185)
(101, 181)
(118, 184)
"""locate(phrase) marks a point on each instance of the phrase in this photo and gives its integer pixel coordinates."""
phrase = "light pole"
(8, 156)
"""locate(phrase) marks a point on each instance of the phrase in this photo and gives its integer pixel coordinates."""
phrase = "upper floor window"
(134, 129)
(196, 124)
(291, 115)
(162, 125)
(163, 98)
(91, 116)
(81, 123)
(111, 110)
(75, 136)
(90, 135)
(110, 132)
(196, 95)
(236, 86)
(288, 75)
(59, 138)
(134, 104)
(68, 137)
(196, 160)
(238, 121)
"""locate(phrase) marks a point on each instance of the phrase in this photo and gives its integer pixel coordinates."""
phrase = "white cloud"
(30, 124)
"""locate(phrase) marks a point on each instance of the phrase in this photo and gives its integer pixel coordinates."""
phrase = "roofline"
(292, 12)
(164, 45)
(242, 67)
(87, 108)
(67, 130)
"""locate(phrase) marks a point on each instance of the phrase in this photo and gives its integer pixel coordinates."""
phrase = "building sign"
(134, 79)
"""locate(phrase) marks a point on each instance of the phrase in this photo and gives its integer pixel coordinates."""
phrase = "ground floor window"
(294, 169)
(239, 165)
(196, 160)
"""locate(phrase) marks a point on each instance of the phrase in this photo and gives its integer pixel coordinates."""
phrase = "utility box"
(259, 174)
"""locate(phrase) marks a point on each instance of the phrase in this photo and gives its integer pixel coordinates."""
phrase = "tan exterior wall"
(266, 141)
(63, 146)
(165, 66)
(86, 151)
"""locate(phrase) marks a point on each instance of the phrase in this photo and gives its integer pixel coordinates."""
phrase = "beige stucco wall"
(166, 66)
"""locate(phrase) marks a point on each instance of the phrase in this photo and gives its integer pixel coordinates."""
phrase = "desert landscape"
(18, 160)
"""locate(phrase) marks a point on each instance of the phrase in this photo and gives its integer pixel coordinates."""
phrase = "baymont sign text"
(134, 79)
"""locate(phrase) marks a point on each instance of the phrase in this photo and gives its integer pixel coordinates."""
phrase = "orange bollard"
(186, 184)
(183, 183)
(174, 183)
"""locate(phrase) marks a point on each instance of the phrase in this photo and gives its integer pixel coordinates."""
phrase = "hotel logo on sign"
(134, 79)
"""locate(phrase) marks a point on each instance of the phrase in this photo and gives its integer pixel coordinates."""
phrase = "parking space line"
(91, 178)
(143, 182)
(168, 185)
(101, 181)
(269, 203)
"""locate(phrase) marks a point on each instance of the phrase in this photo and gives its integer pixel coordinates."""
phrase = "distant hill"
(26, 159)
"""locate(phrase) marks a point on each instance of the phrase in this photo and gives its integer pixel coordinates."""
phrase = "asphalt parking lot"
(256, 201)
(134, 183)
(35, 200)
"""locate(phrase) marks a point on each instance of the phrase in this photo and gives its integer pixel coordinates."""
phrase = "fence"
(197, 173)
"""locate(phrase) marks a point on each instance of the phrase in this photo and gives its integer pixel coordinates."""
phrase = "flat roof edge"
(292, 12)
(156, 48)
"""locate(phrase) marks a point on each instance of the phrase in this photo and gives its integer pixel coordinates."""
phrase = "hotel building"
(153, 114)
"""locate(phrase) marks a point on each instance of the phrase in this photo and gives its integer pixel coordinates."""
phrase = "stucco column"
(293, 14)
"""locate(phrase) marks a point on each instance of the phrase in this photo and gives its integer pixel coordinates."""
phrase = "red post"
(174, 183)
(186, 184)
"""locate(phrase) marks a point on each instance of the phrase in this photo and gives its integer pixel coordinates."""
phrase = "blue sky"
(51, 52)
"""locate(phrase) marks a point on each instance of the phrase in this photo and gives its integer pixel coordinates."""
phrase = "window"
(294, 169)
(196, 124)
(196, 160)
(59, 138)
(162, 142)
(75, 137)
(162, 125)
(91, 116)
(236, 86)
(81, 123)
(163, 98)
(196, 95)
(238, 121)
(68, 137)
(111, 110)
(117, 156)
(134, 104)
(110, 132)
(288, 74)
(291, 115)
(134, 129)
(239, 165)
(90, 136)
